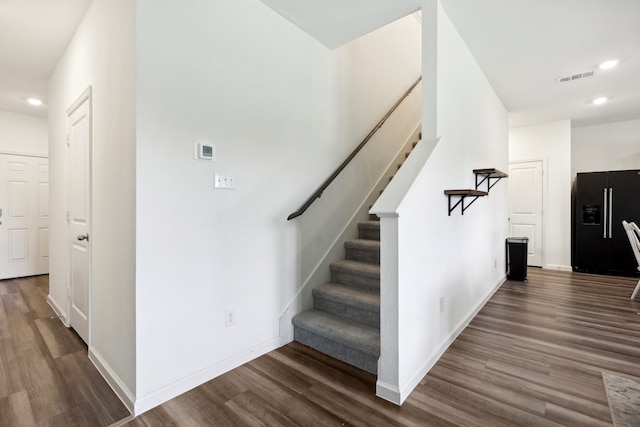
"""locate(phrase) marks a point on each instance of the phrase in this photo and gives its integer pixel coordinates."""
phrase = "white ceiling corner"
(336, 22)
(33, 37)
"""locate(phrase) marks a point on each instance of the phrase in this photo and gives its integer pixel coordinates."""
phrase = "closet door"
(24, 216)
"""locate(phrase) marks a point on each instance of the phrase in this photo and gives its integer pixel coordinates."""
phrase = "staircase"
(345, 320)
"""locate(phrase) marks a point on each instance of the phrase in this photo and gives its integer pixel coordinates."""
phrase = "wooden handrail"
(320, 190)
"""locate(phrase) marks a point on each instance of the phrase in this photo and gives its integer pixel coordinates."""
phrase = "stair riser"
(370, 233)
(357, 358)
(364, 255)
(355, 280)
(357, 314)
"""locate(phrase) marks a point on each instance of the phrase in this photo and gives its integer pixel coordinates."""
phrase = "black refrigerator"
(602, 201)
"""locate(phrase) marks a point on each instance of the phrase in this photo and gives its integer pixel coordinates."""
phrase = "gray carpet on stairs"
(358, 345)
(357, 274)
(345, 321)
(349, 303)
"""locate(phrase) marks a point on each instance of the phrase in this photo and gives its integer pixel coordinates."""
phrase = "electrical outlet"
(229, 317)
(441, 304)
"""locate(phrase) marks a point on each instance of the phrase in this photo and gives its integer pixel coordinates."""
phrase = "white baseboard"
(399, 395)
(121, 390)
(59, 312)
(177, 388)
(388, 392)
(286, 327)
(558, 267)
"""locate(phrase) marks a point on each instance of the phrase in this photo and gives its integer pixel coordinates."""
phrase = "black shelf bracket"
(463, 194)
(487, 175)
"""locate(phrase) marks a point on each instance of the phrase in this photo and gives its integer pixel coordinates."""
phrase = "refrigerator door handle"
(610, 212)
(605, 210)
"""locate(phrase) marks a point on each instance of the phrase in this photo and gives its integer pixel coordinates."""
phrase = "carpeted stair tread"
(364, 250)
(369, 224)
(347, 295)
(358, 274)
(370, 229)
(363, 244)
(354, 304)
(365, 269)
(354, 357)
(350, 334)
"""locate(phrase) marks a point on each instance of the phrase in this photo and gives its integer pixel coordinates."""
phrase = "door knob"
(83, 237)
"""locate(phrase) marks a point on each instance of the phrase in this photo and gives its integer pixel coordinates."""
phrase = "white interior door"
(24, 216)
(525, 206)
(79, 216)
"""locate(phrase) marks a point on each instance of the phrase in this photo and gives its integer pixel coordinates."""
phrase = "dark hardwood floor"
(533, 356)
(46, 378)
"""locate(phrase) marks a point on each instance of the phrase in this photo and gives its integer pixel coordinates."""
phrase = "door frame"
(86, 96)
(543, 223)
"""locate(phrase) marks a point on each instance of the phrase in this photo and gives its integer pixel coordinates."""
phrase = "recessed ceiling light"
(608, 64)
(599, 101)
(34, 101)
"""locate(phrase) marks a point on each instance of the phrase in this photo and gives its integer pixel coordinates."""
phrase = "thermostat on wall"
(205, 151)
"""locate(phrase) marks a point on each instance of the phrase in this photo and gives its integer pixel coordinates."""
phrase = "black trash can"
(517, 258)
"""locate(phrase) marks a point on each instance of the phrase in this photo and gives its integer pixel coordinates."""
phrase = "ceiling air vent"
(575, 76)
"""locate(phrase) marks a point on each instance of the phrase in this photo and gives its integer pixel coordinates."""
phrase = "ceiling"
(33, 37)
(523, 47)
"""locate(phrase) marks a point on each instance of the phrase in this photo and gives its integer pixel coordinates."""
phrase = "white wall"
(270, 98)
(23, 134)
(552, 143)
(245, 80)
(459, 258)
(101, 55)
(612, 146)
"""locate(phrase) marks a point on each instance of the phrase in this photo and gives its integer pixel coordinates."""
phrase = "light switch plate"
(224, 181)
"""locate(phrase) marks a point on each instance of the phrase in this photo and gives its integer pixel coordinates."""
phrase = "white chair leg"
(635, 291)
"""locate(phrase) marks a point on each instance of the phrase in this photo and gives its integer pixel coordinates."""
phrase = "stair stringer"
(303, 299)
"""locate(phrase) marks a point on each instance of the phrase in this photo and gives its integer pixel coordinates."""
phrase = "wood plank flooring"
(533, 356)
(46, 378)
